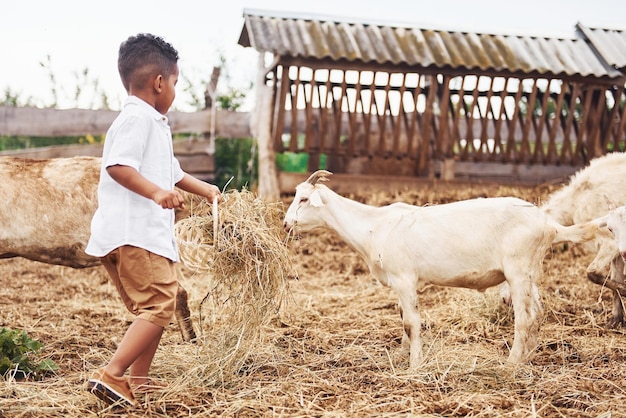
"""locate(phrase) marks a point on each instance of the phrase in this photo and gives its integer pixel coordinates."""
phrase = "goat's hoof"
(615, 322)
(596, 277)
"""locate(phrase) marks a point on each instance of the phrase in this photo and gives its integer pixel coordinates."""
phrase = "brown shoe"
(149, 386)
(110, 389)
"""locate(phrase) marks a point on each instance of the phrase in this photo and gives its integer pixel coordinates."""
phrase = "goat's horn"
(609, 202)
(319, 175)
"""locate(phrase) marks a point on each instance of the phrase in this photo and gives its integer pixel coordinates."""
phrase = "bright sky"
(78, 35)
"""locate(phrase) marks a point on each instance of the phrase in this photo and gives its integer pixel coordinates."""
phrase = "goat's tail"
(581, 232)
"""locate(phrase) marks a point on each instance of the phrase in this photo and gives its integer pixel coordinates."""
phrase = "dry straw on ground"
(336, 351)
(238, 249)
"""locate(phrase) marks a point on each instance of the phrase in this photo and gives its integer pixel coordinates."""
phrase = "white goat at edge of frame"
(476, 244)
(615, 222)
(590, 194)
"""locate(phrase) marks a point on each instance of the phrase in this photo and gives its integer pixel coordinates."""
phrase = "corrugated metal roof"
(610, 43)
(320, 37)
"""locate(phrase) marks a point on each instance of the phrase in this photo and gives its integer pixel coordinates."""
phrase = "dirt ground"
(334, 349)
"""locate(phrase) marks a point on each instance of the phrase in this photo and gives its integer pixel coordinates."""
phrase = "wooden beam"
(262, 130)
(466, 173)
(30, 121)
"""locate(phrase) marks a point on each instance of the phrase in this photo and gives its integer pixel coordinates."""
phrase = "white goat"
(475, 244)
(590, 194)
(615, 222)
(49, 204)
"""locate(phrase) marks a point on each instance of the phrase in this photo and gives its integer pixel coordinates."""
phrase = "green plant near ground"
(236, 164)
(17, 352)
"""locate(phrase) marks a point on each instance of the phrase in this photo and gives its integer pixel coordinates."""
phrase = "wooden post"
(261, 128)
(211, 89)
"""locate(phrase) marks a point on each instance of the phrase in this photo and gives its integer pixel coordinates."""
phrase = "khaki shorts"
(146, 282)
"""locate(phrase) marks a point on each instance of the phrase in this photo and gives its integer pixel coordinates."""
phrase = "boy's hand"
(169, 199)
(212, 193)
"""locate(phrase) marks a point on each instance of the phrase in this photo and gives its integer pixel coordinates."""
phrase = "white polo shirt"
(140, 137)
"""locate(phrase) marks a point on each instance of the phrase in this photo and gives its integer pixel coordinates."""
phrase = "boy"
(133, 228)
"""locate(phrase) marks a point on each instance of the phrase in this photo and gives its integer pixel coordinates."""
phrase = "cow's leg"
(183, 315)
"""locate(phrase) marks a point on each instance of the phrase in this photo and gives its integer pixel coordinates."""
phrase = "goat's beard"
(293, 234)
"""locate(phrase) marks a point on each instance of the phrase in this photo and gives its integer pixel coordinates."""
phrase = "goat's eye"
(304, 200)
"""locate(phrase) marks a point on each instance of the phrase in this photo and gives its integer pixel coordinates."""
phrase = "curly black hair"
(143, 56)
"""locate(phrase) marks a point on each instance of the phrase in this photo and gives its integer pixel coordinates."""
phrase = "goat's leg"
(183, 315)
(505, 293)
(528, 311)
(617, 275)
(615, 285)
(405, 338)
(412, 325)
(597, 270)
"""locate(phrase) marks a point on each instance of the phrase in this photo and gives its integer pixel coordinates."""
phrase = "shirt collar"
(145, 107)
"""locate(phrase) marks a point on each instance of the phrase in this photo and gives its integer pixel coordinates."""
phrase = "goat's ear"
(316, 199)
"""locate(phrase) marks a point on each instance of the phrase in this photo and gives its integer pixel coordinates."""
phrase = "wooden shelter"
(380, 98)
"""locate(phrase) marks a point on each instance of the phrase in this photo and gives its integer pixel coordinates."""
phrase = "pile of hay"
(237, 249)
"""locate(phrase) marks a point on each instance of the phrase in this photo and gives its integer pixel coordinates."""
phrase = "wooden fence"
(196, 154)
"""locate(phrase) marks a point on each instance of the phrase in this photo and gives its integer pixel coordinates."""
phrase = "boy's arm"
(196, 186)
(134, 181)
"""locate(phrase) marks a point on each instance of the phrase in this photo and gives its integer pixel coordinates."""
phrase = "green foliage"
(86, 89)
(230, 98)
(54, 88)
(233, 99)
(195, 99)
(293, 162)
(16, 352)
(23, 142)
(12, 98)
(235, 159)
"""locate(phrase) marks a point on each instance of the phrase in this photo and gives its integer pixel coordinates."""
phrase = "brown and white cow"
(50, 205)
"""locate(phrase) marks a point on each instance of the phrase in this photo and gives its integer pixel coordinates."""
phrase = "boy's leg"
(136, 350)
(141, 366)
(143, 281)
(138, 346)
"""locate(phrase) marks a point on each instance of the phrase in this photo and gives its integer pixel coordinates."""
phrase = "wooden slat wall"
(466, 118)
